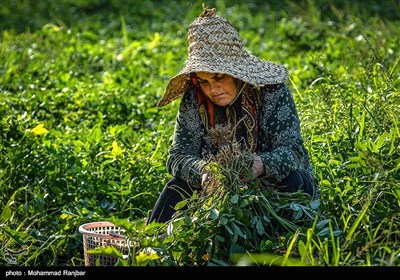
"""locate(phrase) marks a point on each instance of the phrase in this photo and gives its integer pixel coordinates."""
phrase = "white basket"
(102, 234)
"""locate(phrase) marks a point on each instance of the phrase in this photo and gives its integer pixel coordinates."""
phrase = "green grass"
(91, 72)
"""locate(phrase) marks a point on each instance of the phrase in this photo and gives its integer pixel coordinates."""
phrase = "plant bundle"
(230, 216)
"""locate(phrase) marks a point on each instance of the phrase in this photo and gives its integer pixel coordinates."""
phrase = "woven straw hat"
(215, 47)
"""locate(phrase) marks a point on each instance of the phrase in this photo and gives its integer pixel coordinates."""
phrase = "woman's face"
(220, 88)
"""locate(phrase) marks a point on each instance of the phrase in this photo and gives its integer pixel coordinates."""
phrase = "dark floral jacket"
(280, 143)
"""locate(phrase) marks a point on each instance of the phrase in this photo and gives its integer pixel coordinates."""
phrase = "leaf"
(180, 204)
(357, 221)
(116, 150)
(223, 220)
(307, 213)
(85, 211)
(239, 231)
(228, 229)
(353, 166)
(260, 227)
(315, 204)
(381, 140)
(142, 259)
(235, 198)
(265, 218)
(298, 214)
(64, 216)
(220, 238)
(214, 214)
(109, 251)
(302, 249)
(323, 232)
(14, 234)
(326, 183)
(294, 207)
(322, 223)
(7, 212)
(337, 232)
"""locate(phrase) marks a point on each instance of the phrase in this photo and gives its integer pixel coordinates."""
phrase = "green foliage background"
(92, 72)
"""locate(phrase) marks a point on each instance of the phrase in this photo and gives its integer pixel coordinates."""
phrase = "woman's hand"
(258, 166)
(209, 183)
(205, 178)
(257, 169)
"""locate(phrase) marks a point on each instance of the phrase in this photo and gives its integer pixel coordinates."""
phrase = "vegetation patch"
(82, 140)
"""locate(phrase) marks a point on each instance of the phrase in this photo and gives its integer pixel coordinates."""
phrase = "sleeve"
(184, 159)
(281, 125)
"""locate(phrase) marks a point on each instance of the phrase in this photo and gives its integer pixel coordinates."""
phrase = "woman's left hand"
(257, 169)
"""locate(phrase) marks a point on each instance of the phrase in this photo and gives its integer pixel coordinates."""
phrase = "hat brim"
(249, 69)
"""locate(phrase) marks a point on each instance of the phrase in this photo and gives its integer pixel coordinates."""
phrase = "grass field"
(81, 137)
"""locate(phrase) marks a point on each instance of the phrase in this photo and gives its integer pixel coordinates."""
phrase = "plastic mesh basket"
(102, 234)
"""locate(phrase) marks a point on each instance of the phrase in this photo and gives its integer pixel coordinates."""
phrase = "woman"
(222, 84)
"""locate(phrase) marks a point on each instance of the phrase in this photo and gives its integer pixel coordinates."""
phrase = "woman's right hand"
(205, 178)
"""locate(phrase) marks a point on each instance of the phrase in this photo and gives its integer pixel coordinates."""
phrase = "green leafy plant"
(231, 217)
(87, 75)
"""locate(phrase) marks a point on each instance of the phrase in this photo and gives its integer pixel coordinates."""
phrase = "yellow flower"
(39, 129)
(115, 151)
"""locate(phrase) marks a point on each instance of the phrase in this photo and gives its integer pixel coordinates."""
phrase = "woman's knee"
(174, 191)
(178, 187)
(296, 181)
